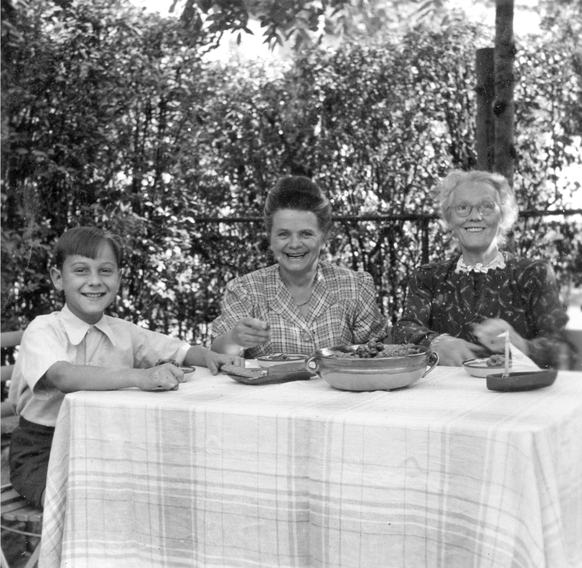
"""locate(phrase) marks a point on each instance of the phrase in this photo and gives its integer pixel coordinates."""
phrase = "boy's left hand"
(215, 360)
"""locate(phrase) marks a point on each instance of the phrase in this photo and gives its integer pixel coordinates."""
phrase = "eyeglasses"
(485, 209)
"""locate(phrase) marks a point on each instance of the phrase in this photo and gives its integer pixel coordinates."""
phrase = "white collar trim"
(76, 328)
(497, 262)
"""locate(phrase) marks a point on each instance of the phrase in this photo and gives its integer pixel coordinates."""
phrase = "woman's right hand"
(452, 351)
(250, 332)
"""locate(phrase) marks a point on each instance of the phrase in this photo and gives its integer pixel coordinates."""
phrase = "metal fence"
(389, 247)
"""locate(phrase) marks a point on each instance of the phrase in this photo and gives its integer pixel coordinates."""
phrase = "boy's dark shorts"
(30, 448)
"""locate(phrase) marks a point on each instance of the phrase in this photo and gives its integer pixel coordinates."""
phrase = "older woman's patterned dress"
(524, 293)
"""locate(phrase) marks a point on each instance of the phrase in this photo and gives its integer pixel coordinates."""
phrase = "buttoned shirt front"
(61, 336)
(342, 310)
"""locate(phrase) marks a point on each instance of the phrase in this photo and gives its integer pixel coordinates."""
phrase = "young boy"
(80, 348)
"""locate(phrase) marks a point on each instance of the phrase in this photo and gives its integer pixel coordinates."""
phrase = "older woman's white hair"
(506, 197)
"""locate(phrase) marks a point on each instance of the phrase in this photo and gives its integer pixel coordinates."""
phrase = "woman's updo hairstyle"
(505, 196)
(299, 193)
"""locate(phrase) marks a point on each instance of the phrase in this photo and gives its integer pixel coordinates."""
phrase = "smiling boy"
(81, 348)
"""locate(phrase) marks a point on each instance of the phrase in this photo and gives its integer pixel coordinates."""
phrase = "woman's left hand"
(488, 332)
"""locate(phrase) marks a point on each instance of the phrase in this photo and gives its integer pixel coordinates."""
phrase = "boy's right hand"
(161, 377)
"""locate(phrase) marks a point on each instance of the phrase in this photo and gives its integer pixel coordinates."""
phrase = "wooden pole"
(485, 125)
(503, 106)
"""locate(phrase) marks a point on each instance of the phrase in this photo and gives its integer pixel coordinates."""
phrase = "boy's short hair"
(86, 241)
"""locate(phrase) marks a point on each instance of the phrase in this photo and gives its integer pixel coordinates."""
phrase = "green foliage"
(112, 117)
(548, 127)
(305, 23)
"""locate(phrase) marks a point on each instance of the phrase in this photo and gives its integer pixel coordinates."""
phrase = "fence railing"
(185, 297)
(424, 221)
(390, 247)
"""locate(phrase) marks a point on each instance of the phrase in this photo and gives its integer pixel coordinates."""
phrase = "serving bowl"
(378, 373)
(281, 359)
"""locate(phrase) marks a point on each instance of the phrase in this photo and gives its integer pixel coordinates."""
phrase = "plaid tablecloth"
(442, 474)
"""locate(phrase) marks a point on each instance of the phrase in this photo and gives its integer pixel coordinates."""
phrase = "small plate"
(478, 367)
(280, 358)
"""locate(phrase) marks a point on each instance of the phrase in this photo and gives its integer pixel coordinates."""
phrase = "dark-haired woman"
(301, 303)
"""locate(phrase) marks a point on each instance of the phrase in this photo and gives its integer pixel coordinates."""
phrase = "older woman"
(460, 306)
(301, 303)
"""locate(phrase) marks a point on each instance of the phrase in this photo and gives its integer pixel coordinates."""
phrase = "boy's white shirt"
(62, 336)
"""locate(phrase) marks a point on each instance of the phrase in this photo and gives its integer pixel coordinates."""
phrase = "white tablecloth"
(442, 474)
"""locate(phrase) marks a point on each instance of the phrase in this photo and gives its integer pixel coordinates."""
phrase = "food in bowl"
(496, 360)
(377, 350)
(343, 369)
(282, 357)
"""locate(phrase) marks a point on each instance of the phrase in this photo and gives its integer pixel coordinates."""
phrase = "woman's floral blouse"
(524, 293)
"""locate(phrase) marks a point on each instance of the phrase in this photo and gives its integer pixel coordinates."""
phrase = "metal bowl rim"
(351, 348)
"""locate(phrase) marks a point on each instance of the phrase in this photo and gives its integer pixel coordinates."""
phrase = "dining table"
(444, 473)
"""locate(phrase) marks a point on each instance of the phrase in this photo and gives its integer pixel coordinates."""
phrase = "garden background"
(122, 118)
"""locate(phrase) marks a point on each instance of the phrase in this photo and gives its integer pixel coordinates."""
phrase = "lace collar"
(497, 262)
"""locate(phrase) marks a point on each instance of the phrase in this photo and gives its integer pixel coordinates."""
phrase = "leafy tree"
(308, 22)
(190, 142)
(97, 99)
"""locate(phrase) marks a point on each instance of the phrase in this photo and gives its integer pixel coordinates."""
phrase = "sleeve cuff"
(181, 353)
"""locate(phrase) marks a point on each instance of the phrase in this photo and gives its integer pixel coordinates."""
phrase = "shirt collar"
(277, 283)
(497, 262)
(76, 328)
